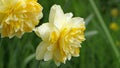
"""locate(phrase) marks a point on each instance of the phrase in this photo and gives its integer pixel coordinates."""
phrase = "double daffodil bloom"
(18, 17)
(61, 36)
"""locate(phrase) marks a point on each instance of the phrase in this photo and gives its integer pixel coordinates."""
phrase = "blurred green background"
(96, 52)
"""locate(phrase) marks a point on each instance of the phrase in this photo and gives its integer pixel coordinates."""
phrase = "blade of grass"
(91, 33)
(105, 29)
(88, 19)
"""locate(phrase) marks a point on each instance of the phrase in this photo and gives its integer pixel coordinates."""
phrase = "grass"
(100, 50)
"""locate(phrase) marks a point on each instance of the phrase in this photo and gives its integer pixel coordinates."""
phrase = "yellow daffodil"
(18, 17)
(114, 12)
(118, 43)
(114, 26)
(61, 36)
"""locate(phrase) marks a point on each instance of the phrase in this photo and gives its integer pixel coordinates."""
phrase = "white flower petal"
(69, 56)
(48, 55)
(41, 49)
(57, 63)
(43, 31)
(76, 21)
(50, 47)
(68, 17)
(57, 16)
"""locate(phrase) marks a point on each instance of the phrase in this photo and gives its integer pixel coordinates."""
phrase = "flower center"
(11, 10)
(74, 36)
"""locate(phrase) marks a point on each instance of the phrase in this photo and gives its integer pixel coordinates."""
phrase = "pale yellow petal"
(57, 16)
(76, 21)
(44, 31)
(68, 17)
(48, 55)
(41, 49)
(57, 62)
(69, 56)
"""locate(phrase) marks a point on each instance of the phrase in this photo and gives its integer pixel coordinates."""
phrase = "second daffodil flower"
(61, 36)
(18, 17)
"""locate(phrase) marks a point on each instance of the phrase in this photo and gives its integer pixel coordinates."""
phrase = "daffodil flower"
(18, 17)
(114, 26)
(61, 36)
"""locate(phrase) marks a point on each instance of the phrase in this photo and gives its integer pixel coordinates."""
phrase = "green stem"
(28, 59)
(105, 29)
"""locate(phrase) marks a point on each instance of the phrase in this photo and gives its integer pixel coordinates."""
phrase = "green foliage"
(96, 51)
